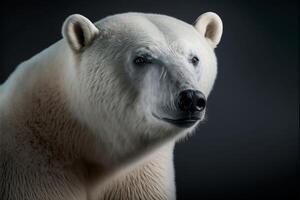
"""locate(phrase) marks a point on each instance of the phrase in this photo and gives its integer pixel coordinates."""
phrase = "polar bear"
(96, 115)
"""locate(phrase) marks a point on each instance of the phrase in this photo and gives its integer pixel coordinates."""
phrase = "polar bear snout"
(191, 101)
(190, 108)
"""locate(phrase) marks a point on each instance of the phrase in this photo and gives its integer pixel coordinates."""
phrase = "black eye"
(140, 60)
(195, 60)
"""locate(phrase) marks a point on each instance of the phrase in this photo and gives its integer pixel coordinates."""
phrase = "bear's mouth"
(186, 122)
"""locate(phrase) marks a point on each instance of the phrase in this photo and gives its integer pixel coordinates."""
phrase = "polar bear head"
(139, 79)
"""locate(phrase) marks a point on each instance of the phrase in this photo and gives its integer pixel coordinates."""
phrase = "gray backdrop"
(248, 147)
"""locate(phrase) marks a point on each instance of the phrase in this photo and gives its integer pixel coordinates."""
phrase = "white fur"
(211, 27)
(76, 119)
(76, 28)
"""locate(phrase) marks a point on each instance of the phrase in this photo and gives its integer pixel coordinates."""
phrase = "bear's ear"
(79, 31)
(210, 26)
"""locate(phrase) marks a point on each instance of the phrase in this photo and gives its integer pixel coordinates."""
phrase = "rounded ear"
(210, 26)
(79, 31)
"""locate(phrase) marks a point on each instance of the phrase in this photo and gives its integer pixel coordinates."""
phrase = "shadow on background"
(248, 147)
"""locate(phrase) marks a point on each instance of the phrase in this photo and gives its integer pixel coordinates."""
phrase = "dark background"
(249, 147)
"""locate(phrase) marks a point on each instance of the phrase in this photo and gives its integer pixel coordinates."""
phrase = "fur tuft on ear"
(210, 26)
(79, 31)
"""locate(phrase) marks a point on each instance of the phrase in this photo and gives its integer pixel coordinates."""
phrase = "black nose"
(191, 101)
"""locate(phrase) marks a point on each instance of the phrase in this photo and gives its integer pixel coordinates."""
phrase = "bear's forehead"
(150, 28)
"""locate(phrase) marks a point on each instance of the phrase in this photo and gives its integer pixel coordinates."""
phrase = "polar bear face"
(141, 78)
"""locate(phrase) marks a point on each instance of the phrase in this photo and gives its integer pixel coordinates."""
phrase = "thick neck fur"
(39, 137)
(42, 140)
(36, 101)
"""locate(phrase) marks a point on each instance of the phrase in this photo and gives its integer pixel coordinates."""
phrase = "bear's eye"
(141, 60)
(195, 60)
